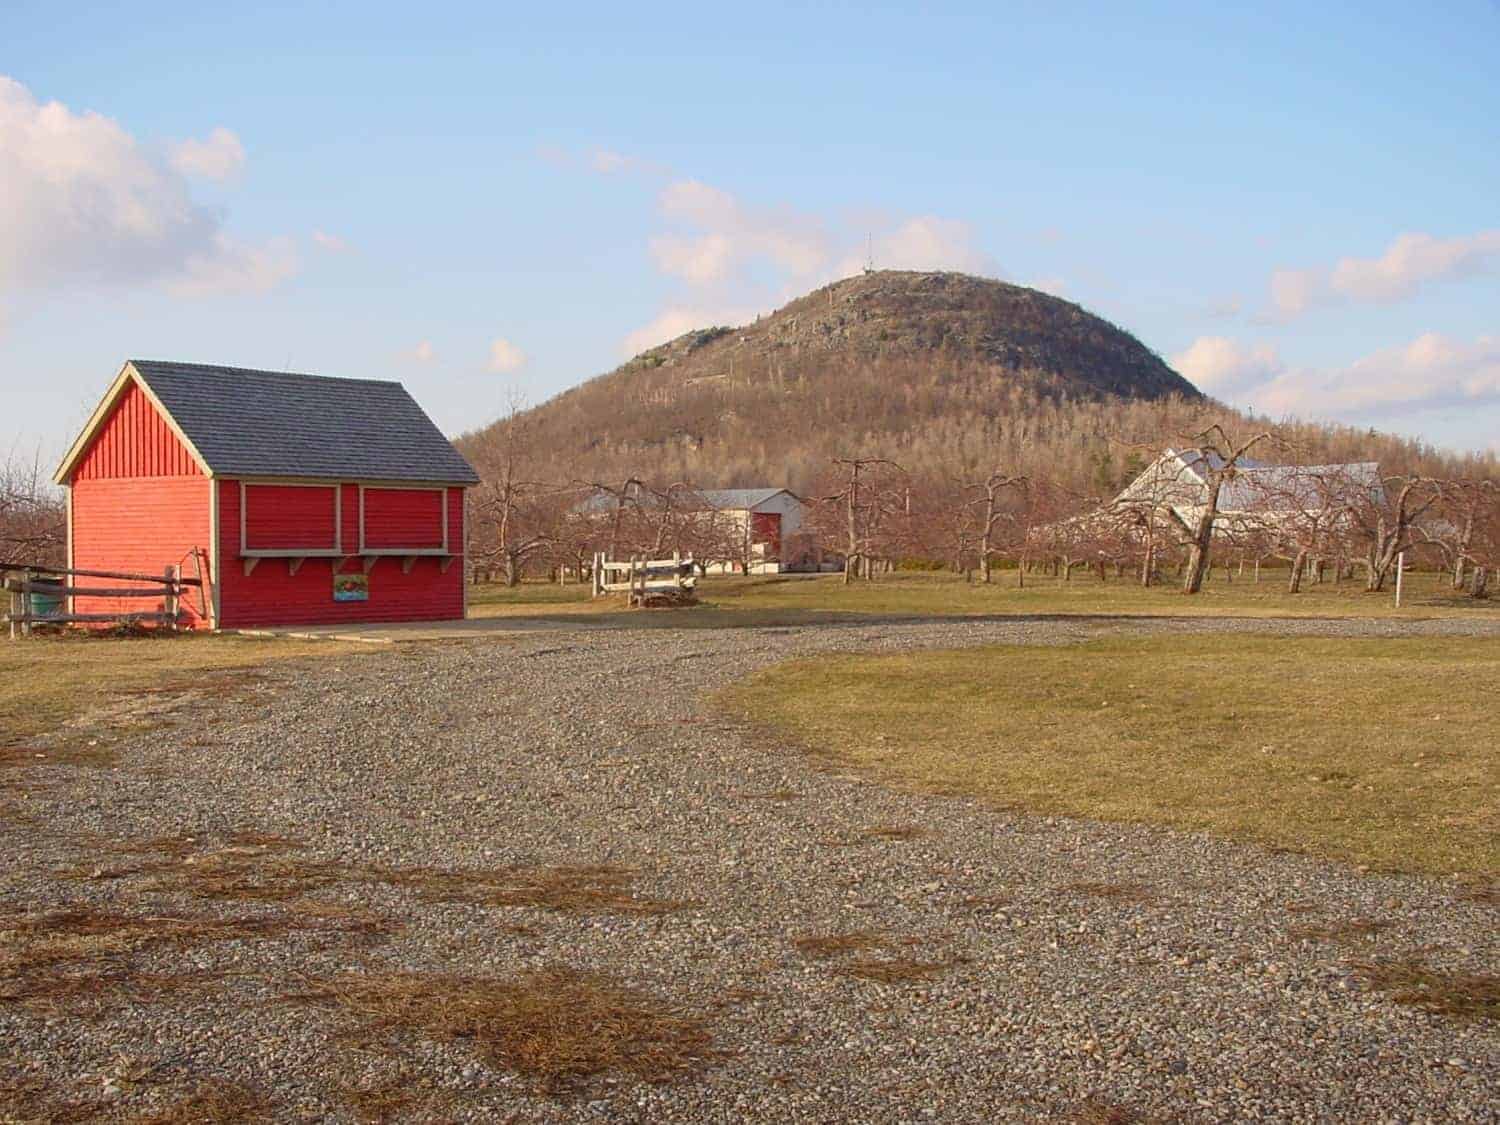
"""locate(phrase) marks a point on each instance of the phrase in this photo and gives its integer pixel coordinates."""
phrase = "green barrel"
(46, 604)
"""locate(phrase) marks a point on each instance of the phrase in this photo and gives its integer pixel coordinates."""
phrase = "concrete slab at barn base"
(472, 628)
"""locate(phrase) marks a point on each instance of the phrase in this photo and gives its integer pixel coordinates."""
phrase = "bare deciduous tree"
(33, 518)
(1384, 520)
(1219, 456)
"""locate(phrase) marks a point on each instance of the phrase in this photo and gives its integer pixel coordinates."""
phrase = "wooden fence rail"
(23, 581)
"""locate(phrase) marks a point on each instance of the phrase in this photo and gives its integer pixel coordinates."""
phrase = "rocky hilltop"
(900, 363)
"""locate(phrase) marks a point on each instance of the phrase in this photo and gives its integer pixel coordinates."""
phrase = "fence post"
(22, 600)
(1400, 568)
(170, 595)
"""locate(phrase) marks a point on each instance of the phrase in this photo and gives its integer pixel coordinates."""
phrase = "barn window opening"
(285, 519)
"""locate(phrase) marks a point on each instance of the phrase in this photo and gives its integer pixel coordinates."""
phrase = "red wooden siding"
(765, 527)
(403, 517)
(135, 441)
(140, 525)
(286, 517)
(271, 596)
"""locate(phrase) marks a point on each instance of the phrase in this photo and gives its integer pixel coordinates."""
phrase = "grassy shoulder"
(46, 682)
(1376, 751)
(808, 599)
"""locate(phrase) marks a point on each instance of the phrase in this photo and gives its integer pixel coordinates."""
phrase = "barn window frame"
(334, 552)
(406, 552)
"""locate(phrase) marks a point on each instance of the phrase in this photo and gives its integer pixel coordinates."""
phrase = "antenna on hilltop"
(869, 253)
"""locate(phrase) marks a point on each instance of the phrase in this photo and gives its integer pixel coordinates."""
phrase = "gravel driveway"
(1073, 970)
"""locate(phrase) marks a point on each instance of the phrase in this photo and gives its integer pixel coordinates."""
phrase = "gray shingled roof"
(275, 423)
(721, 499)
(735, 499)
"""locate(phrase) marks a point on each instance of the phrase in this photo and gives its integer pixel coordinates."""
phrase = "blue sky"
(1299, 206)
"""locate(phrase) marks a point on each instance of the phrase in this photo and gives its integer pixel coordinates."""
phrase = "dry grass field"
(806, 600)
(1384, 752)
(48, 681)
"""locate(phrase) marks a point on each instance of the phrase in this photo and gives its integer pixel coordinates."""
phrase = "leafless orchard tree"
(33, 518)
(1384, 519)
(873, 489)
(1465, 513)
(1000, 520)
(1306, 512)
(513, 513)
(1219, 459)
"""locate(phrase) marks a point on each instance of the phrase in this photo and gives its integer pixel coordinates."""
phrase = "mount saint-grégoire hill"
(919, 367)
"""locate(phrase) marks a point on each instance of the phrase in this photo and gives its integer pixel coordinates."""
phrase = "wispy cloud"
(83, 202)
(330, 242)
(1429, 372)
(733, 259)
(1411, 262)
(422, 353)
(217, 157)
(1221, 367)
(505, 357)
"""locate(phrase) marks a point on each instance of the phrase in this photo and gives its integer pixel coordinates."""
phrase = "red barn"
(301, 500)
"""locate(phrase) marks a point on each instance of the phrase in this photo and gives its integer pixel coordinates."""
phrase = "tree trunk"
(1294, 583)
(512, 571)
(1481, 582)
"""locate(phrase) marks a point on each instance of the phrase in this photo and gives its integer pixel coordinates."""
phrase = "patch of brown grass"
(770, 795)
(559, 1027)
(256, 867)
(72, 754)
(62, 957)
(988, 902)
(213, 1101)
(1121, 892)
(25, 1100)
(81, 955)
(81, 676)
(1096, 1112)
(885, 970)
(1484, 893)
(836, 945)
(1348, 930)
(892, 832)
(1410, 981)
(247, 873)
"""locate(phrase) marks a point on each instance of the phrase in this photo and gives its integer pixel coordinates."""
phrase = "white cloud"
(1431, 371)
(735, 260)
(925, 242)
(218, 157)
(677, 319)
(1410, 262)
(81, 201)
(728, 237)
(422, 353)
(227, 266)
(330, 242)
(1221, 367)
(505, 357)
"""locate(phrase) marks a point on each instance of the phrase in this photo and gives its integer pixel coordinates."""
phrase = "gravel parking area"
(1057, 969)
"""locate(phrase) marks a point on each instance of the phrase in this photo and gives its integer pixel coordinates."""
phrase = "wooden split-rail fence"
(22, 583)
(644, 581)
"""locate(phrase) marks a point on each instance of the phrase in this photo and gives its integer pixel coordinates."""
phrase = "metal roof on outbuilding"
(244, 422)
(736, 499)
